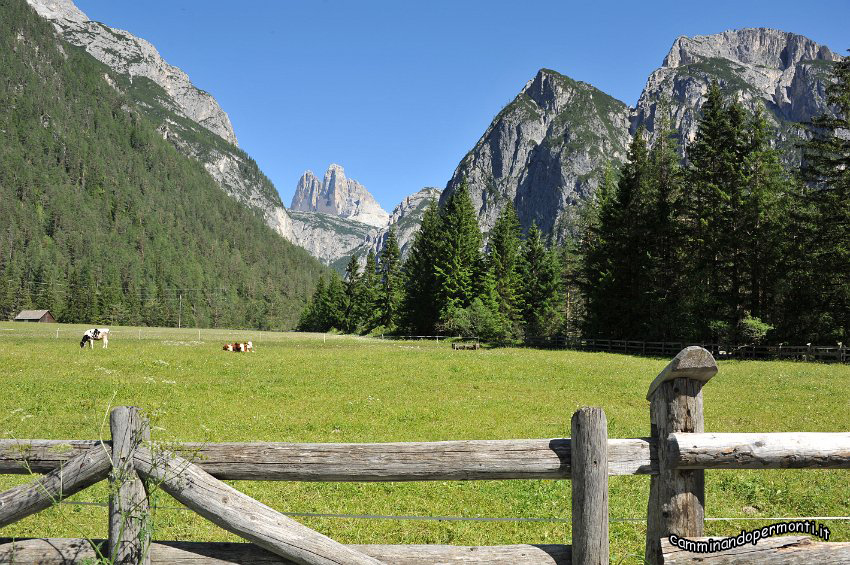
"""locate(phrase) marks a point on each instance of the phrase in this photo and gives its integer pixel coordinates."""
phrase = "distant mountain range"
(545, 151)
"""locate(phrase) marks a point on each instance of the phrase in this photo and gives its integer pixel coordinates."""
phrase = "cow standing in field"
(95, 334)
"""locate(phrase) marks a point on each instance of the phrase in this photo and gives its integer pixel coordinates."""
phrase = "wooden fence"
(822, 353)
(674, 456)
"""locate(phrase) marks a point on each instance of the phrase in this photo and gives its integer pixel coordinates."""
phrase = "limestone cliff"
(338, 195)
(544, 151)
(405, 220)
(784, 73)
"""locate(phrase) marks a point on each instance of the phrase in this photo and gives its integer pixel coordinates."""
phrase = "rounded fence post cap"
(693, 362)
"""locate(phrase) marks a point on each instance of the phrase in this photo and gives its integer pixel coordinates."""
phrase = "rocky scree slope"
(188, 117)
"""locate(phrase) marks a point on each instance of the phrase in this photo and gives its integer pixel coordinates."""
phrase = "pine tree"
(505, 266)
(826, 168)
(458, 265)
(391, 291)
(542, 293)
(420, 309)
(352, 306)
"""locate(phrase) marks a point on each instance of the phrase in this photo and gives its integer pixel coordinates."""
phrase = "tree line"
(714, 242)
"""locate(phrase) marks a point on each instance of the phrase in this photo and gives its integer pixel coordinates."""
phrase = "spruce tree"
(596, 257)
(391, 291)
(420, 309)
(505, 267)
(542, 294)
(713, 180)
(334, 304)
(663, 284)
(735, 186)
(618, 261)
(352, 305)
(458, 265)
(311, 317)
(370, 292)
(826, 169)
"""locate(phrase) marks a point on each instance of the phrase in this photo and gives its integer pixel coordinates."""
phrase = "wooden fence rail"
(675, 457)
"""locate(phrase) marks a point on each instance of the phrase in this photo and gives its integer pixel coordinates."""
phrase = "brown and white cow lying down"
(243, 347)
(95, 334)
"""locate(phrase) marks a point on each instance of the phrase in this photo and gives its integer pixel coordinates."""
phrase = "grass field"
(314, 388)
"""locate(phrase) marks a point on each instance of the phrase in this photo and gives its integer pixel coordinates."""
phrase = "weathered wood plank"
(797, 450)
(590, 486)
(409, 461)
(242, 515)
(25, 456)
(693, 362)
(676, 497)
(78, 473)
(790, 550)
(129, 536)
(57, 551)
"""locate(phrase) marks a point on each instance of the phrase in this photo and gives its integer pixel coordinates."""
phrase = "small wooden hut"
(35, 316)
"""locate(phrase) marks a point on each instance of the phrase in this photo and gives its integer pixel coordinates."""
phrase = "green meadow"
(328, 388)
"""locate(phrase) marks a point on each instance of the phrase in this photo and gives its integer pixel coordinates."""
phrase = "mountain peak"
(764, 47)
(58, 10)
(129, 55)
(337, 195)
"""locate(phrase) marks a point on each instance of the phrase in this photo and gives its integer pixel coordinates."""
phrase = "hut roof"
(31, 314)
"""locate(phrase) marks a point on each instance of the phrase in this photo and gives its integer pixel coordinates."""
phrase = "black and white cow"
(95, 334)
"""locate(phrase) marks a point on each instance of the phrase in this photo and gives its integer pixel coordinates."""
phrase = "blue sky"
(397, 92)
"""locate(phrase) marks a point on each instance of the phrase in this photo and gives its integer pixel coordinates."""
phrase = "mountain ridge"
(188, 117)
(547, 150)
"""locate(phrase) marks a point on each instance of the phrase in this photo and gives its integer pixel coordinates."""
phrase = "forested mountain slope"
(104, 220)
(185, 115)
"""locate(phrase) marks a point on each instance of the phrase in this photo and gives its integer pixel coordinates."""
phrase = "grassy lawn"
(314, 388)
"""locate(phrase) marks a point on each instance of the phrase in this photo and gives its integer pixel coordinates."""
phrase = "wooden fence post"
(589, 460)
(676, 498)
(129, 533)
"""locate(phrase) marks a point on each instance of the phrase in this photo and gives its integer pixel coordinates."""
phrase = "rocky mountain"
(405, 219)
(547, 149)
(334, 239)
(188, 117)
(104, 220)
(338, 195)
(329, 238)
(544, 151)
(784, 73)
